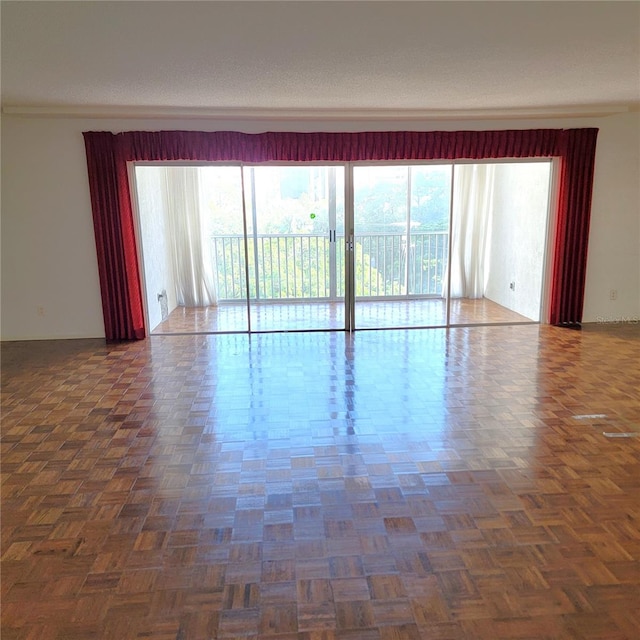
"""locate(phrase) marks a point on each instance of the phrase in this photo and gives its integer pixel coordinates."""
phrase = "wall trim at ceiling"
(395, 115)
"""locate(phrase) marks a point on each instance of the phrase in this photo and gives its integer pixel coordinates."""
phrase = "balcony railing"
(305, 266)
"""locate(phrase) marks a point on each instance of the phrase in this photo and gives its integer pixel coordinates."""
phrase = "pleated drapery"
(108, 154)
(115, 240)
(473, 187)
(572, 227)
(189, 240)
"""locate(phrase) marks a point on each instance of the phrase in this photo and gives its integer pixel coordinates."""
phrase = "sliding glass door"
(401, 241)
(295, 224)
(191, 248)
(263, 248)
(498, 239)
(446, 245)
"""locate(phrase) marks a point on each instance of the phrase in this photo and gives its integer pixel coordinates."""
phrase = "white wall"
(50, 286)
(48, 249)
(614, 239)
(520, 205)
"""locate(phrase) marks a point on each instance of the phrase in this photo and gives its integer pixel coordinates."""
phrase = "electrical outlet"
(164, 304)
(512, 286)
(613, 294)
(40, 311)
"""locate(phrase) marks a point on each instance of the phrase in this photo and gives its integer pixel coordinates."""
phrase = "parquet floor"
(445, 484)
(300, 316)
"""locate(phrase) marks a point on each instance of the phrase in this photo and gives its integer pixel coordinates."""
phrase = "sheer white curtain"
(473, 186)
(189, 240)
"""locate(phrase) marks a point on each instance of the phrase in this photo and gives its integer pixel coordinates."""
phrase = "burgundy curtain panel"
(572, 227)
(109, 153)
(115, 239)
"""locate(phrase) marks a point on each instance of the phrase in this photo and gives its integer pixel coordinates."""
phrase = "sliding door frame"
(407, 231)
(549, 237)
(334, 245)
(349, 251)
(549, 234)
(350, 319)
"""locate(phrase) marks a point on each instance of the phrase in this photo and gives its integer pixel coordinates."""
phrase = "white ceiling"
(386, 58)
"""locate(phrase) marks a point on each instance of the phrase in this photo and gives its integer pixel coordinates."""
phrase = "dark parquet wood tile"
(447, 484)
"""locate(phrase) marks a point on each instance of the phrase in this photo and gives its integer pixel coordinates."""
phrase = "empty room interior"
(320, 320)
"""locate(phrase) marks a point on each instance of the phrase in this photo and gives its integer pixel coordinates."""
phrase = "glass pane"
(380, 221)
(221, 189)
(192, 247)
(401, 216)
(430, 202)
(295, 217)
(499, 233)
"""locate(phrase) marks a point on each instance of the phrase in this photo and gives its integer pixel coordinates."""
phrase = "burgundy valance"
(108, 154)
(228, 146)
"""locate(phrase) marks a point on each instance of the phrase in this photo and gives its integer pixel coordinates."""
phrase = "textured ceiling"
(340, 57)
